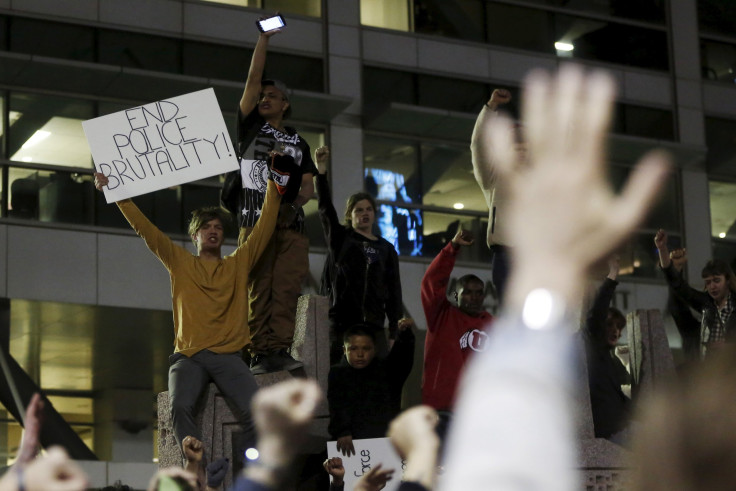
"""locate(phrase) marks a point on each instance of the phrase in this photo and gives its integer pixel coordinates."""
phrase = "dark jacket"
(361, 276)
(364, 401)
(611, 408)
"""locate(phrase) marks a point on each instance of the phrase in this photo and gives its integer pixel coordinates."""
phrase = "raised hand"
(335, 469)
(499, 97)
(321, 157)
(345, 445)
(462, 238)
(374, 480)
(100, 180)
(563, 215)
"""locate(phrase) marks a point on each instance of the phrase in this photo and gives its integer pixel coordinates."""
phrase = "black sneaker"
(259, 364)
(285, 361)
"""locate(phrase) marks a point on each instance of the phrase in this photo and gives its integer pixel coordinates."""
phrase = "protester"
(361, 274)
(454, 331)
(276, 279)
(513, 420)
(494, 188)
(210, 308)
(363, 391)
(718, 322)
(606, 373)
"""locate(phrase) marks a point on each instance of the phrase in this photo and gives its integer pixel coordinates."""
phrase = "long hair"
(352, 201)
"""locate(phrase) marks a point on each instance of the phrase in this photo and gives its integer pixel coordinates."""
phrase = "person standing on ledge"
(276, 279)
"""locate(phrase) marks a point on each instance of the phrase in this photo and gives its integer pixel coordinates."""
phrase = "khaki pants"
(275, 283)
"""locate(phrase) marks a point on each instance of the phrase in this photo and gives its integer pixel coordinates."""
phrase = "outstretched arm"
(252, 90)
(513, 419)
(660, 240)
(482, 153)
(282, 414)
(158, 242)
(437, 276)
(599, 311)
(480, 144)
(331, 226)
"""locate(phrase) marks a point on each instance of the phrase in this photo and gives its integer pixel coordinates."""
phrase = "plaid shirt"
(713, 324)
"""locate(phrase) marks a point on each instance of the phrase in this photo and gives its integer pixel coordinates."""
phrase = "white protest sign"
(368, 453)
(160, 144)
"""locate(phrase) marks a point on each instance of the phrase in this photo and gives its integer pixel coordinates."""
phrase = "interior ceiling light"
(560, 46)
(458, 206)
(722, 235)
(38, 136)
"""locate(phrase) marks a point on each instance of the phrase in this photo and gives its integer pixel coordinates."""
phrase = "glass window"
(589, 39)
(447, 179)
(3, 32)
(311, 8)
(721, 142)
(520, 27)
(48, 129)
(391, 169)
(718, 61)
(143, 51)
(725, 250)
(382, 86)
(717, 16)
(440, 228)
(451, 94)
(666, 211)
(646, 10)
(52, 39)
(215, 61)
(297, 72)
(402, 227)
(2, 124)
(723, 209)
(644, 121)
(462, 19)
(389, 14)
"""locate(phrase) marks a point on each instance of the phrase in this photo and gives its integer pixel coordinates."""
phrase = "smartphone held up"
(271, 23)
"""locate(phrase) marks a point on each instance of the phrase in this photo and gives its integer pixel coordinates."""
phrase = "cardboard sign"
(161, 144)
(368, 453)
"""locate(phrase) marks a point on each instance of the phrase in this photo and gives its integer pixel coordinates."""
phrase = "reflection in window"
(590, 39)
(215, 61)
(647, 122)
(462, 19)
(311, 8)
(52, 39)
(723, 209)
(60, 197)
(718, 61)
(388, 14)
(720, 137)
(297, 72)
(77, 411)
(716, 16)
(645, 10)
(48, 129)
(143, 51)
(666, 211)
(391, 169)
(451, 93)
(447, 178)
(403, 227)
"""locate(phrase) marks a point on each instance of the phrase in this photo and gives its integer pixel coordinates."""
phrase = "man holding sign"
(209, 307)
(277, 278)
